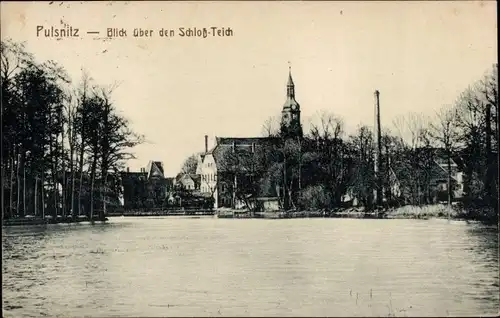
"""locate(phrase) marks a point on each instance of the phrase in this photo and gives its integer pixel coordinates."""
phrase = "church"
(216, 166)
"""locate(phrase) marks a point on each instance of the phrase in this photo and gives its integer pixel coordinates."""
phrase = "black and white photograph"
(249, 159)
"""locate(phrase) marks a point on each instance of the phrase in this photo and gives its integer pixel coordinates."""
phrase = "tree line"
(62, 144)
(327, 166)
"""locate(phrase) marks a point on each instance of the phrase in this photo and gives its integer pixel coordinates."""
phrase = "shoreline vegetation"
(64, 142)
(66, 145)
(437, 211)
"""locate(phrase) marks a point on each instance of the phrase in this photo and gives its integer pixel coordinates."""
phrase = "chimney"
(128, 169)
(234, 146)
(206, 143)
(253, 147)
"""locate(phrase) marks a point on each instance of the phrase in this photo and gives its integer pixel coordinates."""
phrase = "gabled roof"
(243, 147)
(195, 177)
(155, 169)
(241, 140)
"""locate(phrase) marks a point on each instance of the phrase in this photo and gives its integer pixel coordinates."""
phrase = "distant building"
(207, 170)
(438, 183)
(189, 181)
(217, 175)
(147, 188)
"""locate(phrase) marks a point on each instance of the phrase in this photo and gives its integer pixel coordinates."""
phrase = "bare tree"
(363, 176)
(189, 165)
(271, 127)
(444, 132)
(325, 140)
(417, 161)
(81, 123)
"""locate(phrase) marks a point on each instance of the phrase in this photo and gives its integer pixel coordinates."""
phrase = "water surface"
(176, 266)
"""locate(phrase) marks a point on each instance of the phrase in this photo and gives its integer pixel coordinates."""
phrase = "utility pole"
(378, 151)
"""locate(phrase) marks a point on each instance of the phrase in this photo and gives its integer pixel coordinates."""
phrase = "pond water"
(175, 266)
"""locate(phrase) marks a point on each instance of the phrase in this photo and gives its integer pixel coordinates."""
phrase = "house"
(207, 170)
(438, 182)
(146, 188)
(188, 181)
(440, 179)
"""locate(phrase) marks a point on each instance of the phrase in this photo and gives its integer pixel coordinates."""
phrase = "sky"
(175, 90)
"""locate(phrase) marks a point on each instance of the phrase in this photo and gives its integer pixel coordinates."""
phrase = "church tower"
(290, 115)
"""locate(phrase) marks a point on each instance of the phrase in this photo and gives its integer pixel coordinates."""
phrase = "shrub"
(314, 197)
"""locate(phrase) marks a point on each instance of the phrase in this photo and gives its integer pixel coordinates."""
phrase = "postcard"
(249, 158)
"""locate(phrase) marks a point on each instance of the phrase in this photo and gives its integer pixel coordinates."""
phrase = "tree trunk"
(81, 181)
(449, 178)
(300, 163)
(290, 194)
(71, 162)
(42, 184)
(64, 185)
(54, 187)
(235, 187)
(82, 138)
(285, 190)
(104, 192)
(5, 165)
(24, 184)
(18, 184)
(92, 173)
(489, 175)
(36, 197)
(11, 199)
(73, 211)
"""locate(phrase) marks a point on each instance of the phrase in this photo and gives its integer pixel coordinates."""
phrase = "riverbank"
(49, 220)
(438, 211)
(162, 213)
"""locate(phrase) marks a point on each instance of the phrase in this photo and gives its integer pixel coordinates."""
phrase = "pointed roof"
(290, 80)
(155, 169)
(290, 93)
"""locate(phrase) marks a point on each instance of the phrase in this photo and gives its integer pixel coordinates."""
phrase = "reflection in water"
(214, 267)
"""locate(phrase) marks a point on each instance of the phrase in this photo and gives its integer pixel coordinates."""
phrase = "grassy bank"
(406, 212)
(424, 212)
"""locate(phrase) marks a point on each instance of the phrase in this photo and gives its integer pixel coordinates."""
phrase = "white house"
(207, 170)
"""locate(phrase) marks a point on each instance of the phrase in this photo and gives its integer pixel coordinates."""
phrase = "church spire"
(290, 115)
(290, 87)
(290, 80)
